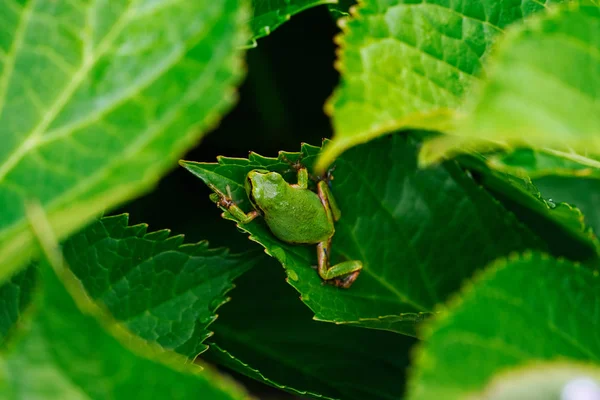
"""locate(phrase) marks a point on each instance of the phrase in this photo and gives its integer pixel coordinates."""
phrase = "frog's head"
(263, 187)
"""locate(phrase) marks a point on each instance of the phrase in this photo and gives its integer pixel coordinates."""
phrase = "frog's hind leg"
(341, 275)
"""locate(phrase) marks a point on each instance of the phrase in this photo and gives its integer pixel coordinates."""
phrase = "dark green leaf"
(267, 15)
(163, 290)
(98, 99)
(15, 297)
(419, 233)
(519, 311)
(269, 335)
(67, 352)
(583, 193)
(559, 224)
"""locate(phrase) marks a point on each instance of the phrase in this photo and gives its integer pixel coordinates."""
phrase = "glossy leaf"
(541, 91)
(73, 350)
(273, 339)
(98, 99)
(408, 64)
(268, 15)
(414, 230)
(163, 290)
(520, 311)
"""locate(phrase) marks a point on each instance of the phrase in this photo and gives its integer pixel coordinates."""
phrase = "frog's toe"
(345, 281)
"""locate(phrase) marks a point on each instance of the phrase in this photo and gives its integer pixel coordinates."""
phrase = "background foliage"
(480, 271)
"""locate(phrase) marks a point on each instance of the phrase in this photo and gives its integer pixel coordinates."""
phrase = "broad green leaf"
(410, 64)
(537, 163)
(414, 230)
(267, 15)
(273, 339)
(547, 381)
(98, 99)
(15, 298)
(161, 289)
(72, 350)
(520, 311)
(541, 91)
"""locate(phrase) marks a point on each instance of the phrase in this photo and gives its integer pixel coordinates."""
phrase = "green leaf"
(163, 290)
(97, 101)
(584, 193)
(541, 91)
(414, 230)
(560, 224)
(15, 298)
(71, 350)
(547, 381)
(537, 163)
(408, 64)
(270, 14)
(523, 310)
(273, 339)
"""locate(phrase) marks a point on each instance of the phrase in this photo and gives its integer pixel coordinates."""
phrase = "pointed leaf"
(414, 230)
(522, 310)
(410, 64)
(98, 99)
(163, 290)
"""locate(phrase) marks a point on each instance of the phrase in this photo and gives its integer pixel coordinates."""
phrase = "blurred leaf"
(273, 339)
(409, 64)
(522, 310)
(547, 381)
(15, 298)
(542, 89)
(413, 229)
(537, 163)
(163, 290)
(98, 99)
(268, 15)
(67, 352)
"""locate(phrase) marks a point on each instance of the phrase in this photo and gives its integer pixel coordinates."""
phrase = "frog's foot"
(225, 202)
(345, 281)
(296, 165)
(341, 275)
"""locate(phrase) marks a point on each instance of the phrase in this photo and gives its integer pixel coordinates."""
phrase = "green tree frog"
(296, 215)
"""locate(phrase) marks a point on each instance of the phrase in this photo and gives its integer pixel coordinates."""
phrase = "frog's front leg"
(341, 275)
(225, 202)
(345, 273)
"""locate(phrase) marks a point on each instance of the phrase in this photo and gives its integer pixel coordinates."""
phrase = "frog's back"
(295, 223)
